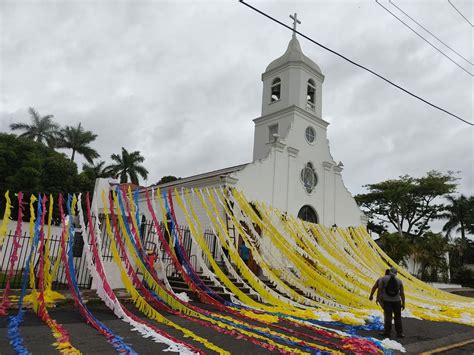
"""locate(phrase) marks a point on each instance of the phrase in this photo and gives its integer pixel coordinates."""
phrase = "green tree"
(78, 139)
(32, 167)
(95, 171)
(461, 252)
(460, 215)
(429, 254)
(127, 166)
(397, 247)
(407, 204)
(167, 178)
(41, 129)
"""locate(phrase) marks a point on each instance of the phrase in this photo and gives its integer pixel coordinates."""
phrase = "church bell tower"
(292, 85)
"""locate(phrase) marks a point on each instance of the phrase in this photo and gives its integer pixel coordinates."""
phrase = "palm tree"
(459, 214)
(127, 166)
(95, 170)
(41, 129)
(77, 139)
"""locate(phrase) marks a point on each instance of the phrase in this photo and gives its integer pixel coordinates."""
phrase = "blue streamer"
(115, 340)
(127, 227)
(374, 323)
(273, 336)
(14, 322)
(180, 254)
(137, 216)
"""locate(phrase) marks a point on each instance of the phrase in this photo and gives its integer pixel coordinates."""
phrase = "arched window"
(309, 177)
(311, 95)
(275, 90)
(308, 214)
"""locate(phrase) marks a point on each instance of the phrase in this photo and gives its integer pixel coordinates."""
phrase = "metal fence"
(148, 234)
(82, 274)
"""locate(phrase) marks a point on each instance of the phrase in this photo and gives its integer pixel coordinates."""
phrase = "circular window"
(310, 134)
(309, 178)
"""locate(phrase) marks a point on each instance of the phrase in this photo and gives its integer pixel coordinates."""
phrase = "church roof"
(293, 54)
(195, 179)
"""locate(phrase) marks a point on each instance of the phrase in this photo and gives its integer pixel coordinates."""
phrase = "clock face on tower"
(309, 177)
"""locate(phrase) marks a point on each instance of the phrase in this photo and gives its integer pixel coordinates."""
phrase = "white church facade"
(292, 167)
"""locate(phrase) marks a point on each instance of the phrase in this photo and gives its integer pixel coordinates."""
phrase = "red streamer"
(100, 270)
(62, 335)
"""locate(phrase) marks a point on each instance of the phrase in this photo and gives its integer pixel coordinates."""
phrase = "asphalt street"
(420, 335)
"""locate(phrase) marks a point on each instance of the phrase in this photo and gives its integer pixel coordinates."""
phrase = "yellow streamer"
(6, 218)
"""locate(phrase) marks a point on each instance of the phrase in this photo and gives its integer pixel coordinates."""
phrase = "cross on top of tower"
(295, 22)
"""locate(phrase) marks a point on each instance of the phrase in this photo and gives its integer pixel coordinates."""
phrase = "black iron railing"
(148, 234)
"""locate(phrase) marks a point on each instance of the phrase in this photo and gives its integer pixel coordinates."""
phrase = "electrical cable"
(356, 64)
(423, 38)
(431, 33)
(460, 13)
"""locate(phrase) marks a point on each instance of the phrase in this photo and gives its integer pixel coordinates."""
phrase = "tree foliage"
(460, 215)
(167, 178)
(127, 166)
(461, 253)
(429, 254)
(397, 247)
(41, 129)
(407, 204)
(31, 167)
(95, 171)
(78, 139)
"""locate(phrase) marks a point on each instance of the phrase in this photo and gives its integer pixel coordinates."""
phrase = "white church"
(292, 167)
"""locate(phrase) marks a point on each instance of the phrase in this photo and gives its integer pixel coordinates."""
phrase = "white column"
(326, 193)
(292, 154)
(278, 148)
(337, 175)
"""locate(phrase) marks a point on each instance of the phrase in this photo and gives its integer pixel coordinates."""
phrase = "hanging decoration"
(5, 304)
(14, 322)
(316, 278)
(6, 218)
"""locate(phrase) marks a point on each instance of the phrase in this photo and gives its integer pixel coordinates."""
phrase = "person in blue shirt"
(244, 253)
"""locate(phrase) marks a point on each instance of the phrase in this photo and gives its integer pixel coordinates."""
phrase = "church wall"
(256, 180)
(346, 206)
(262, 140)
(276, 179)
(316, 153)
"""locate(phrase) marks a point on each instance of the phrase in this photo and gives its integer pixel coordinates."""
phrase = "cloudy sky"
(180, 80)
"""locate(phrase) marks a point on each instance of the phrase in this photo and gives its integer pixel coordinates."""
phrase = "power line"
(356, 64)
(423, 38)
(460, 13)
(419, 24)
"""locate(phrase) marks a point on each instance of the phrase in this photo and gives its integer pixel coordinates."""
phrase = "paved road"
(420, 335)
(467, 349)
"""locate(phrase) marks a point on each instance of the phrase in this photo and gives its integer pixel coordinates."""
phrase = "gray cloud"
(180, 81)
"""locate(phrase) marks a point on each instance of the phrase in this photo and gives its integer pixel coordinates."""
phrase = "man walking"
(392, 297)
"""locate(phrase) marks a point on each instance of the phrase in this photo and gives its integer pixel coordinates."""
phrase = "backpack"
(392, 287)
